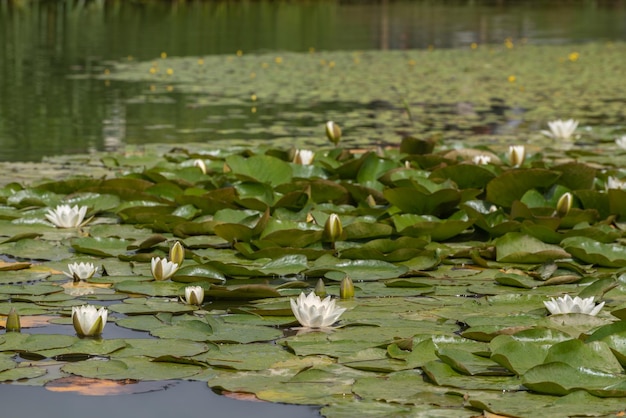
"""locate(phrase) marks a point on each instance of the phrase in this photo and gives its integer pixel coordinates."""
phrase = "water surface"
(50, 103)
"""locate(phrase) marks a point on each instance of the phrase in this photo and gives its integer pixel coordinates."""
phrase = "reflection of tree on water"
(114, 126)
(49, 104)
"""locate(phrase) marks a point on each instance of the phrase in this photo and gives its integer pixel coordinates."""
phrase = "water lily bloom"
(162, 269)
(517, 154)
(88, 320)
(561, 129)
(80, 271)
(481, 159)
(303, 156)
(564, 204)
(194, 295)
(615, 183)
(177, 253)
(313, 312)
(64, 216)
(333, 132)
(621, 142)
(201, 165)
(566, 305)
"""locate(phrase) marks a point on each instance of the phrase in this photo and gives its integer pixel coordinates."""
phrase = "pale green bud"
(13, 322)
(333, 229)
(320, 289)
(346, 289)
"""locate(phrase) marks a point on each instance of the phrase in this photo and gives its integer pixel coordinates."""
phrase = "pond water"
(50, 103)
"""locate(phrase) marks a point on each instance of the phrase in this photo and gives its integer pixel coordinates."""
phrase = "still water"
(51, 103)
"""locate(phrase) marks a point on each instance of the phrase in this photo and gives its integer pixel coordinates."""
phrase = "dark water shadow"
(181, 399)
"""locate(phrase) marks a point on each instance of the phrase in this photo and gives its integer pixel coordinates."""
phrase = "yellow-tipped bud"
(333, 132)
(320, 289)
(177, 253)
(13, 322)
(346, 289)
(517, 154)
(564, 205)
(333, 229)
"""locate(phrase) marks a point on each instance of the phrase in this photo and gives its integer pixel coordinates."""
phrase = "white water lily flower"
(313, 312)
(561, 129)
(621, 142)
(82, 271)
(162, 269)
(303, 156)
(615, 183)
(566, 305)
(194, 295)
(64, 216)
(481, 159)
(88, 320)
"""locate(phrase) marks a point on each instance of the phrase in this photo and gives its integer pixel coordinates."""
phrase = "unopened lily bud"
(346, 289)
(303, 157)
(333, 132)
(177, 253)
(564, 205)
(194, 295)
(320, 289)
(517, 153)
(13, 322)
(201, 165)
(333, 228)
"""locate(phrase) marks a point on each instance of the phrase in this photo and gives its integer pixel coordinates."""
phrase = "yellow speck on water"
(153, 70)
(511, 79)
(253, 75)
(107, 71)
(163, 55)
(278, 60)
(239, 52)
(169, 88)
(412, 63)
(356, 60)
(474, 45)
(265, 65)
(253, 109)
(331, 64)
(170, 71)
(573, 56)
(253, 97)
(508, 42)
(200, 61)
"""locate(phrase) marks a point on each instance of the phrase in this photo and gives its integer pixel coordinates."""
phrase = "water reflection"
(50, 104)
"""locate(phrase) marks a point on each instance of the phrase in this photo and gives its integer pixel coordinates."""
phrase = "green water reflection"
(50, 104)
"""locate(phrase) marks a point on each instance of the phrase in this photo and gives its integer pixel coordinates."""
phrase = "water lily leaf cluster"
(451, 263)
